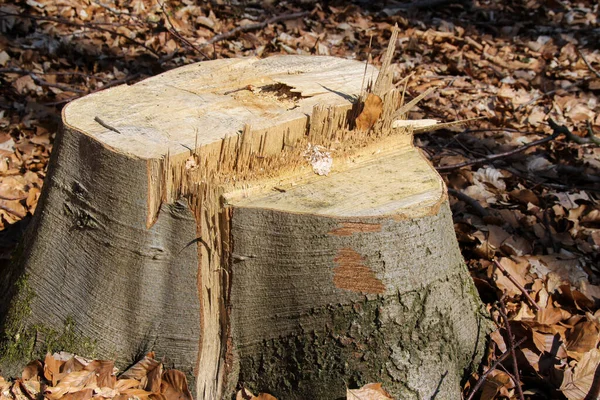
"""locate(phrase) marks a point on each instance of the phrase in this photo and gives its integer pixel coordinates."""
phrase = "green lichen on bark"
(22, 341)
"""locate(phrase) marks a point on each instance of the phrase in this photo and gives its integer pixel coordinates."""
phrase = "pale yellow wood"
(203, 103)
(394, 181)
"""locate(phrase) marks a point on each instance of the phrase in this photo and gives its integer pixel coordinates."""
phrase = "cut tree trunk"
(183, 215)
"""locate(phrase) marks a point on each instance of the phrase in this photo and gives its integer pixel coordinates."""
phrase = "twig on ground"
(252, 27)
(112, 10)
(178, 36)
(62, 87)
(418, 4)
(517, 284)
(588, 64)
(492, 368)
(592, 137)
(511, 347)
(479, 209)
(21, 71)
(499, 155)
(570, 136)
(557, 131)
(558, 186)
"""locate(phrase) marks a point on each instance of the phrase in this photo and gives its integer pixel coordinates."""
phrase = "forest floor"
(524, 180)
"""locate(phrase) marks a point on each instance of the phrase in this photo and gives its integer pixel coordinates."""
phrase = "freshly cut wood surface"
(205, 102)
(394, 181)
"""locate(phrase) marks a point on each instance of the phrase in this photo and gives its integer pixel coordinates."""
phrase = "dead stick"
(588, 64)
(557, 130)
(517, 284)
(492, 368)
(470, 201)
(499, 155)
(593, 137)
(548, 93)
(107, 126)
(252, 27)
(178, 36)
(511, 347)
(64, 88)
(577, 139)
(109, 84)
(112, 10)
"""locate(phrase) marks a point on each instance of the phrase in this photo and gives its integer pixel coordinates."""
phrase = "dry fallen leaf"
(371, 391)
(72, 383)
(148, 371)
(245, 394)
(105, 371)
(52, 367)
(84, 394)
(496, 382)
(174, 385)
(134, 394)
(34, 370)
(370, 113)
(582, 338)
(127, 383)
(577, 381)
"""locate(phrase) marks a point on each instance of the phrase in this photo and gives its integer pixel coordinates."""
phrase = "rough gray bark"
(90, 257)
(299, 284)
(326, 303)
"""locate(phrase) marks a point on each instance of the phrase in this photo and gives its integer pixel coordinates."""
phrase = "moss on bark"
(22, 342)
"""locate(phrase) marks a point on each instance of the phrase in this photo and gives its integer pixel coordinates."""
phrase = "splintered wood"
(218, 132)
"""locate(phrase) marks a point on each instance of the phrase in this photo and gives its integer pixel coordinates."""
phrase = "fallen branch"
(517, 284)
(483, 377)
(570, 136)
(593, 137)
(178, 36)
(509, 153)
(112, 10)
(105, 125)
(470, 201)
(62, 87)
(418, 4)
(41, 81)
(557, 131)
(20, 71)
(588, 64)
(511, 347)
(252, 27)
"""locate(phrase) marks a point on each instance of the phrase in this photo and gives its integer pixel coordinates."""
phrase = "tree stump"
(249, 223)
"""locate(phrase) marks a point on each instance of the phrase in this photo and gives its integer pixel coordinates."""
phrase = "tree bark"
(183, 215)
